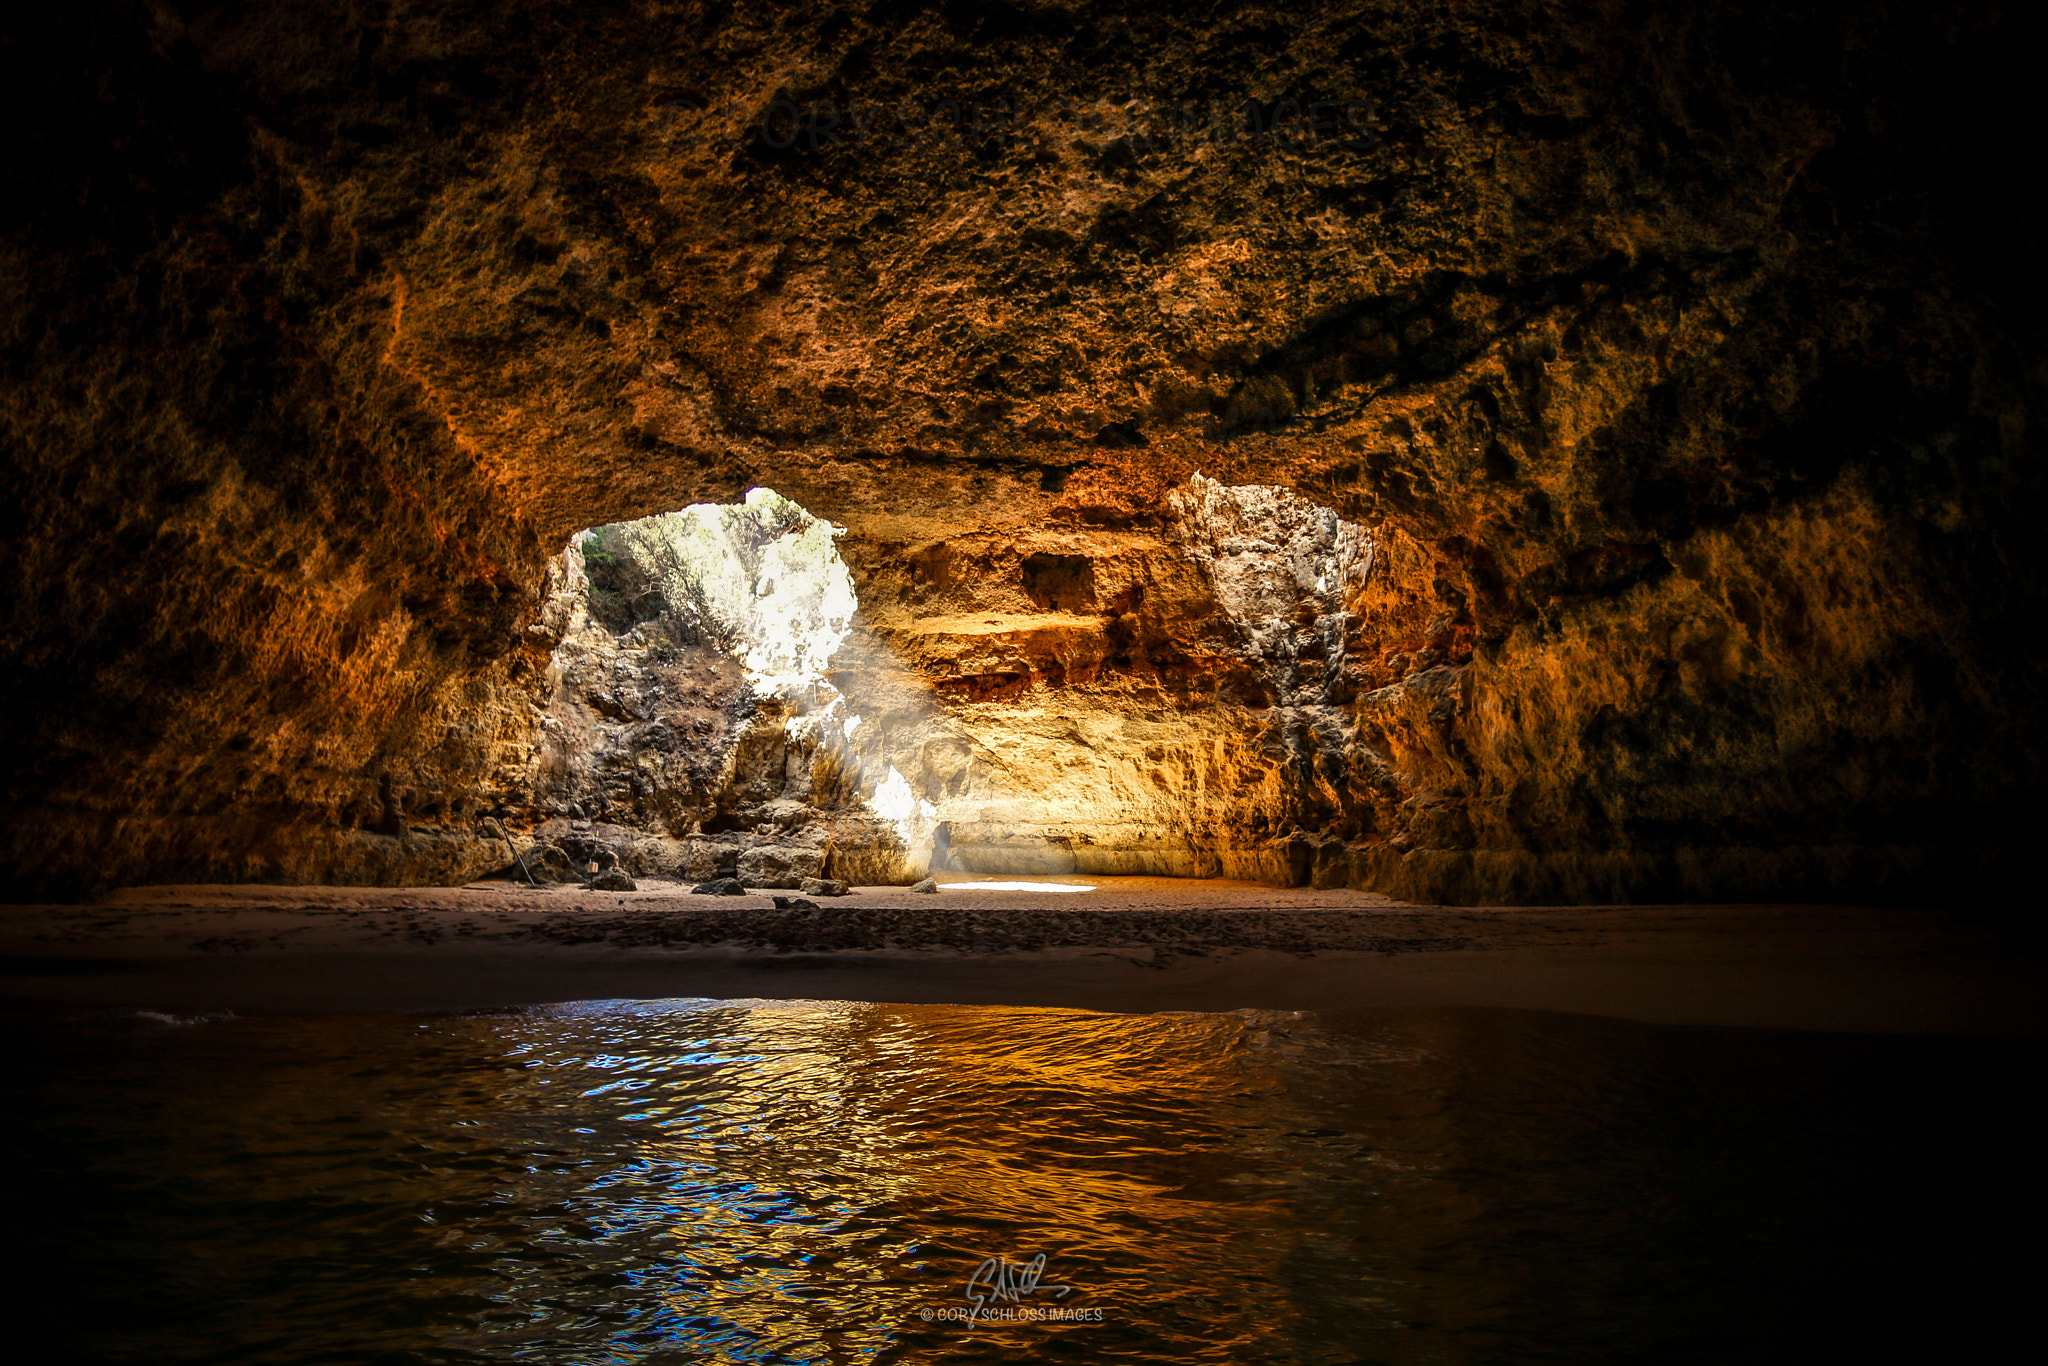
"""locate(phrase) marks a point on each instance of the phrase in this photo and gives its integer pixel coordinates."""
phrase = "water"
(770, 1182)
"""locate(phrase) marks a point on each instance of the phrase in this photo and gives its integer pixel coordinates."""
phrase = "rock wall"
(682, 724)
(1681, 369)
(1167, 702)
(1160, 700)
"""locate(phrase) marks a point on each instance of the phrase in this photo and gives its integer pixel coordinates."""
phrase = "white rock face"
(764, 574)
(1268, 552)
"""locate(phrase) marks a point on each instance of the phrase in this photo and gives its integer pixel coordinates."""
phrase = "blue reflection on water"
(798, 1182)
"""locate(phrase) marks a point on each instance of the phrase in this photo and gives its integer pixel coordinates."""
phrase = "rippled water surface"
(705, 1181)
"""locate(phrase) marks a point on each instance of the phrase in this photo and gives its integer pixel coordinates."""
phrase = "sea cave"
(959, 682)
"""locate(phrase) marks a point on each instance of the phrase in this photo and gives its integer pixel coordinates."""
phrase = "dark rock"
(584, 850)
(546, 863)
(725, 886)
(613, 880)
(793, 903)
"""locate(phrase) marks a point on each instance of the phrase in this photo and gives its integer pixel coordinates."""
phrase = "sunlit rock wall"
(1172, 704)
(1681, 368)
(1162, 700)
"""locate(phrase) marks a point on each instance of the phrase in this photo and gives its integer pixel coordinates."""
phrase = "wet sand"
(1130, 944)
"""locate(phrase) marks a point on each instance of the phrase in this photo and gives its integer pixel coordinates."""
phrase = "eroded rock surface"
(1679, 372)
(680, 684)
(1174, 700)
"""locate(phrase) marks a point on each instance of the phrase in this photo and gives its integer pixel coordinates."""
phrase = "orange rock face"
(1675, 381)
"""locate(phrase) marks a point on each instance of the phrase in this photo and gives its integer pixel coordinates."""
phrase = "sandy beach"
(1128, 944)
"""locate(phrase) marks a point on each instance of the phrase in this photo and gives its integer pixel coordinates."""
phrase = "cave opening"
(689, 722)
(724, 703)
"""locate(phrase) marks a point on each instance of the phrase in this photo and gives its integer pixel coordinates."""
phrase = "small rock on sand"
(928, 885)
(825, 886)
(724, 886)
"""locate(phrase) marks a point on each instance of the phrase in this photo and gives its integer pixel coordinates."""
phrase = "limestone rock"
(924, 885)
(779, 865)
(1596, 466)
(825, 886)
(613, 880)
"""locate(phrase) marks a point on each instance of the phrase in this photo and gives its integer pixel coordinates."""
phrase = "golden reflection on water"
(803, 1182)
(863, 1160)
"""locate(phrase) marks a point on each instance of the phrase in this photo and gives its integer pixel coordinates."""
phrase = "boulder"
(780, 865)
(545, 863)
(793, 903)
(927, 885)
(613, 879)
(825, 886)
(583, 850)
(700, 860)
(724, 886)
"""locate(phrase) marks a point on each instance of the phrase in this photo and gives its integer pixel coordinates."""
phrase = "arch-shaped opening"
(747, 690)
